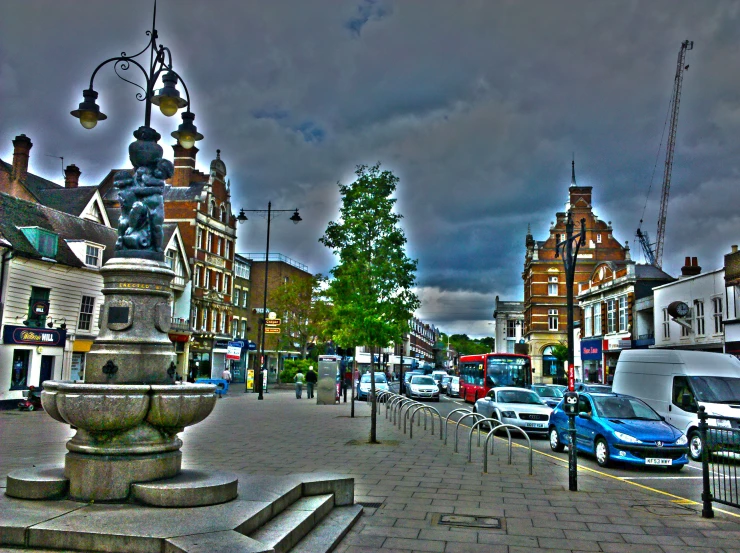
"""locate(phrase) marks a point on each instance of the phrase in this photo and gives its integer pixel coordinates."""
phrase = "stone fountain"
(129, 410)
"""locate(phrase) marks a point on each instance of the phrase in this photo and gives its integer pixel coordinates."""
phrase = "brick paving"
(416, 482)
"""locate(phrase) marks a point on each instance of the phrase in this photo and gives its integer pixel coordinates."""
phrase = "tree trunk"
(354, 371)
(373, 414)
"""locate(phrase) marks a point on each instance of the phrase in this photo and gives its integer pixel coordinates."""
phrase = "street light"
(568, 250)
(167, 98)
(242, 218)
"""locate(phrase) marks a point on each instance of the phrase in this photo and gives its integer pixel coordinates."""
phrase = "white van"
(676, 382)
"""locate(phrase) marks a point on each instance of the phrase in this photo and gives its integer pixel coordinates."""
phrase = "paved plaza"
(411, 487)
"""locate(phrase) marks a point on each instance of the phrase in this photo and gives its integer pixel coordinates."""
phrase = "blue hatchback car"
(615, 427)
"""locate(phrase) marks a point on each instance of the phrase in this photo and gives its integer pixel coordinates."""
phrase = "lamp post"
(242, 217)
(568, 250)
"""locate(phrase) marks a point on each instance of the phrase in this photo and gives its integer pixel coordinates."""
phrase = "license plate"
(535, 425)
(658, 461)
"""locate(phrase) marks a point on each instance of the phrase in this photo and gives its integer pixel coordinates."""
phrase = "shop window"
(19, 375)
(38, 307)
(77, 367)
(86, 313)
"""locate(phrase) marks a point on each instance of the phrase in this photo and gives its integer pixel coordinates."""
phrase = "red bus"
(480, 373)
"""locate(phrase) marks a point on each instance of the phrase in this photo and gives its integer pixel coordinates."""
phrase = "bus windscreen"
(508, 371)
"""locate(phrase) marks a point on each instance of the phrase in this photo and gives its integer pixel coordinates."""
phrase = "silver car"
(422, 386)
(518, 406)
(453, 387)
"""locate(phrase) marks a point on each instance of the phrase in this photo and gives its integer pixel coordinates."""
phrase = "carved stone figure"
(140, 195)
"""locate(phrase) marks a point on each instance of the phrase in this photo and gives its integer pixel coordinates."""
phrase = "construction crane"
(654, 251)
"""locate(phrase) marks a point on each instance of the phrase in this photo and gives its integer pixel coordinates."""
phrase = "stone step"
(291, 525)
(330, 531)
(190, 488)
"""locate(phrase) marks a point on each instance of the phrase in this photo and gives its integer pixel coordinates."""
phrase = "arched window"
(213, 209)
(223, 214)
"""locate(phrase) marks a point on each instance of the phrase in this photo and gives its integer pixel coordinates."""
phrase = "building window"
(38, 307)
(611, 316)
(223, 214)
(244, 330)
(717, 304)
(216, 281)
(214, 319)
(587, 313)
(699, 315)
(552, 319)
(19, 375)
(227, 284)
(234, 328)
(209, 241)
(195, 317)
(597, 319)
(86, 313)
(92, 256)
(196, 276)
(228, 250)
(511, 328)
(666, 325)
(199, 238)
(245, 297)
(598, 238)
(623, 314)
(552, 287)
(169, 258)
(236, 296)
(213, 209)
(222, 323)
(685, 331)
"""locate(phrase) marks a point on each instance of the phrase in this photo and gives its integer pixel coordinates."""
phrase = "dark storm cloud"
(476, 105)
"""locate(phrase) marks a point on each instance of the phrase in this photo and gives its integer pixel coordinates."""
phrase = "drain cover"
(370, 505)
(470, 521)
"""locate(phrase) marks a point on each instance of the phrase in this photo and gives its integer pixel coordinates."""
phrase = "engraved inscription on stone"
(120, 314)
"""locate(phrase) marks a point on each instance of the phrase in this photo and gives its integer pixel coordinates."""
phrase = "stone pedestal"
(133, 346)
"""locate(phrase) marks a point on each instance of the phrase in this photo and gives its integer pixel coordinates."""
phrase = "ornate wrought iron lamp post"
(242, 217)
(568, 250)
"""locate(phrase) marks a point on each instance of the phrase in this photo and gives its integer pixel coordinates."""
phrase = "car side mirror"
(584, 415)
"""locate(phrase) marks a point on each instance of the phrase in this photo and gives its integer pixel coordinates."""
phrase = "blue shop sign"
(591, 350)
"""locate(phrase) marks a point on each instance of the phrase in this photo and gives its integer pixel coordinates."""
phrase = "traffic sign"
(272, 322)
(272, 330)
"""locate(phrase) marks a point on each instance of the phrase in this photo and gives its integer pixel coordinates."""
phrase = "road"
(686, 485)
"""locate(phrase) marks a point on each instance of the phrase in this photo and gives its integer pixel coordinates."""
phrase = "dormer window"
(92, 256)
(45, 241)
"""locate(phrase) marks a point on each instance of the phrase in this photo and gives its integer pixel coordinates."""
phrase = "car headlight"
(683, 440)
(508, 414)
(627, 438)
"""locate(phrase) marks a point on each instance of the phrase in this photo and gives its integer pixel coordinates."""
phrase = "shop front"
(28, 357)
(612, 348)
(591, 356)
(199, 362)
(218, 357)
(77, 365)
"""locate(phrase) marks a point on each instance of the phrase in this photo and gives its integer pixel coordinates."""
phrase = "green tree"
(465, 346)
(371, 286)
(303, 312)
(560, 352)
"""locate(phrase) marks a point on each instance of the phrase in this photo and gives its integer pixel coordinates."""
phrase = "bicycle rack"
(447, 419)
(391, 405)
(476, 424)
(410, 412)
(432, 412)
(396, 406)
(405, 403)
(457, 426)
(506, 427)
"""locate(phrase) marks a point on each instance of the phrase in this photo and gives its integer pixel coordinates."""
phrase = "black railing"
(720, 438)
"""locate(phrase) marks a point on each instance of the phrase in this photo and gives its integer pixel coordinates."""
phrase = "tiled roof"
(16, 213)
(183, 193)
(650, 272)
(69, 200)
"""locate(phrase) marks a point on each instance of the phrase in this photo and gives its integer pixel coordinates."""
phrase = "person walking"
(299, 379)
(311, 380)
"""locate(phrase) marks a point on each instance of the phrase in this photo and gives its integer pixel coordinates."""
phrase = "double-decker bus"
(480, 373)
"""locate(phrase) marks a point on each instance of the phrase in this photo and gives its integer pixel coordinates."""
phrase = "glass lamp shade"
(168, 106)
(88, 119)
(186, 140)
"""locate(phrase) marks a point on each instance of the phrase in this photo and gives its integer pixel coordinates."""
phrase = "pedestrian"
(226, 375)
(311, 380)
(299, 379)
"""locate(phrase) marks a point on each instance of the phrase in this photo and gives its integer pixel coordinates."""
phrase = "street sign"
(234, 350)
(272, 322)
(252, 346)
(272, 330)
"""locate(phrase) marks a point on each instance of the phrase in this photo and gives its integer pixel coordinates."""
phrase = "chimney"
(72, 176)
(184, 165)
(691, 267)
(21, 150)
(734, 248)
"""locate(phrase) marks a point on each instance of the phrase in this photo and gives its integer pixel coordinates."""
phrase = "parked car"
(444, 383)
(453, 388)
(518, 406)
(615, 427)
(588, 387)
(676, 382)
(422, 386)
(363, 386)
(551, 394)
(438, 376)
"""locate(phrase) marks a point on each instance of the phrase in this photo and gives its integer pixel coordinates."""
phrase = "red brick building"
(545, 314)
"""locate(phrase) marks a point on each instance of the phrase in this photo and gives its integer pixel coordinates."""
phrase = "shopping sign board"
(272, 330)
(234, 350)
(272, 322)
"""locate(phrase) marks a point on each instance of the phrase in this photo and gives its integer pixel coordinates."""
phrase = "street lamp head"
(168, 97)
(242, 217)
(88, 111)
(295, 217)
(187, 134)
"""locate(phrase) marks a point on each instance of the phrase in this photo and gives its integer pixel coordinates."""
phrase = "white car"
(518, 406)
(363, 386)
(453, 388)
(422, 386)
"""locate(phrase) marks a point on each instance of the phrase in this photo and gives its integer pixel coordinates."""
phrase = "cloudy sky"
(476, 105)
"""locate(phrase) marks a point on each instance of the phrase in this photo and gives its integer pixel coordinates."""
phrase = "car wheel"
(601, 451)
(695, 446)
(555, 443)
(31, 407)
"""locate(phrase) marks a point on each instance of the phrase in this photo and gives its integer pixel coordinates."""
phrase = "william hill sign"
(23, 335)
